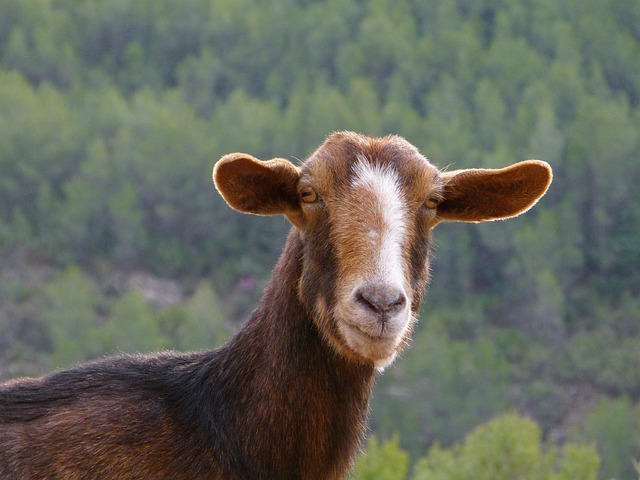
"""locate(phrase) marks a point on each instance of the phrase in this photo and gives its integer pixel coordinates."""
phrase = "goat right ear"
(480, 195)
(262, 188)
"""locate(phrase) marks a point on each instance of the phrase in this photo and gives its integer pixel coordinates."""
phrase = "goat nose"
(382, 300)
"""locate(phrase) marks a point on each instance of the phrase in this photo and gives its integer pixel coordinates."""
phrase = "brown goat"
(287, 397)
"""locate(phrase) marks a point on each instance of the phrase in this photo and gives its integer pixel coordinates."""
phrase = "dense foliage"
(506, 448)
(113, 238)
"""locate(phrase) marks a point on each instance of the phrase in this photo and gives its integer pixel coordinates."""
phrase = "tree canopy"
(112, 114)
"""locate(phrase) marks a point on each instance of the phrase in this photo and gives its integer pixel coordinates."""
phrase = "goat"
(287, 397)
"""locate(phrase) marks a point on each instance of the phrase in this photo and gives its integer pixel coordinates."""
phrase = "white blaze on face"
(371, 246)
(389, 236)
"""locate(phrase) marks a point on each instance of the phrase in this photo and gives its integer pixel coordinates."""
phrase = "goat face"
(364, 208)
(366, 241)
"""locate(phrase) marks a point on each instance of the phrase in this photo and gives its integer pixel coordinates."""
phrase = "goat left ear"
(480, 195)
(262, 188)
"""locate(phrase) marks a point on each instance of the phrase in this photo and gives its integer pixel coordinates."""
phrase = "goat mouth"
(381, 336)
(371, 344)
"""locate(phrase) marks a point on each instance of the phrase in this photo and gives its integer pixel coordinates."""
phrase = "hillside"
(113, 238)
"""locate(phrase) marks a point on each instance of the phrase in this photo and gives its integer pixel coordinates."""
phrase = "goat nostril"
(381, 300)
(367, 301)
(400, 302)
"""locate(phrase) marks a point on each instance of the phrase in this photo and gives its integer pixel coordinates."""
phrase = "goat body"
(275, 402)
(288, 396)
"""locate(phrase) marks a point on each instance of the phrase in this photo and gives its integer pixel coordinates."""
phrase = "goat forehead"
(381, 182)
(386, 224)
(382, 177)
(332, 171)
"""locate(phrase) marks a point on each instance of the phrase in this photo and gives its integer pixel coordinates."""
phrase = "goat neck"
(285, 377)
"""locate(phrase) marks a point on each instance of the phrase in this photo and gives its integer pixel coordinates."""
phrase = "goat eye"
(432, 202)
(308, 195)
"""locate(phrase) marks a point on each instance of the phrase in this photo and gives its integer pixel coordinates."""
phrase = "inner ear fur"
(259, 187)
(480, 195)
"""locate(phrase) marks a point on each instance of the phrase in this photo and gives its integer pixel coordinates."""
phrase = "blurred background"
(112, 237)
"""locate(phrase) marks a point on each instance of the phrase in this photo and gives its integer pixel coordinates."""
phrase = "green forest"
(526, 359)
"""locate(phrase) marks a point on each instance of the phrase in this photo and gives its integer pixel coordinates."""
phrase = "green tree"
(505, 448)
(41, 45)
(443, 387)
(602, 129)
(614, 426)
(70, 303)
(198, 324)
(602, 357)
(132, 327)
(382, 461)
(85, 228)
(537, 302)
(205, 81)
(38, 145)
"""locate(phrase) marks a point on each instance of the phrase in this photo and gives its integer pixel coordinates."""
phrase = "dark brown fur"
(275, 402)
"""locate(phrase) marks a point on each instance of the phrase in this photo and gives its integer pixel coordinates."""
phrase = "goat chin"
(375, 339)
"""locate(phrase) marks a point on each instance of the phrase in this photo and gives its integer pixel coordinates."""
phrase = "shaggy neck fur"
(279, 374)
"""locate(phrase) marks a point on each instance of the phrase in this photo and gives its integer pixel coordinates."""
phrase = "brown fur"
(288, 396)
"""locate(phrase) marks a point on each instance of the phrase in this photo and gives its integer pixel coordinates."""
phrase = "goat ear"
(262, 188)
(480, 195)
